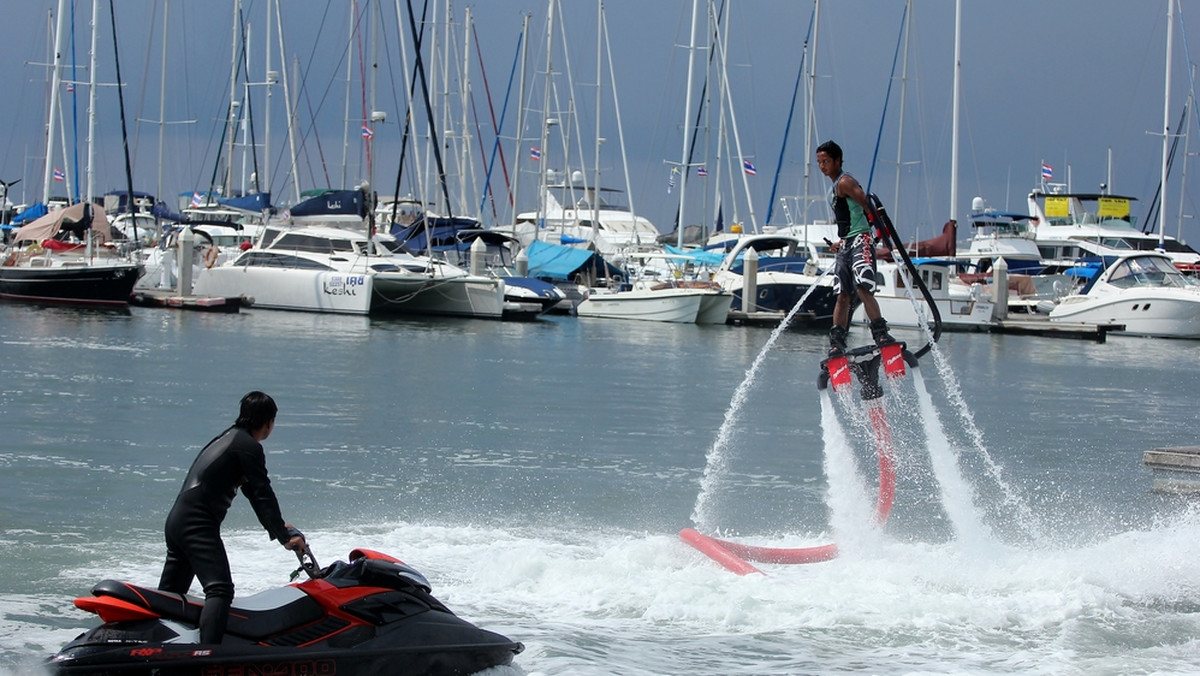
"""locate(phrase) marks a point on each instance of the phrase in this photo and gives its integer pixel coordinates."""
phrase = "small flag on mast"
(197, 199)
(1047, 172)
(702, 172)
(671, 179)
(367, 132)
(748, 166)
(59, 175)
(535, 154)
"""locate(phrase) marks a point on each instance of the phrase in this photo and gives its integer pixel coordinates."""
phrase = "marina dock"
(172, 300)
(1176, 469)
(1034, 325)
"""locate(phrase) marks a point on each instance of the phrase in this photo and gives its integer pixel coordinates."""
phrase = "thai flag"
(367, 133)
(701, 172)
(748, 166)
(70, 87)
(59, 175)
(1047, 172)
(535, 154)
(197, 199)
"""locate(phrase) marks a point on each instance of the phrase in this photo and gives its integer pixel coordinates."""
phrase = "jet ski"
(373, 615)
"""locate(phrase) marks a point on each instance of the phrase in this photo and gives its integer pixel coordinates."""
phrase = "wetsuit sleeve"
(258, 491)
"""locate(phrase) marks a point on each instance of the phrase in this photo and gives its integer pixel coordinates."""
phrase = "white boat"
(666, 303)
(584, 218)
(1143, 291)
(1072, 225)
(961, 306)
(325, 269)
(996, 234)
(213, 244)
(786, 272)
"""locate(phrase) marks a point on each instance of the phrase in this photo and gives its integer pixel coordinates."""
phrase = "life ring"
(210, 256)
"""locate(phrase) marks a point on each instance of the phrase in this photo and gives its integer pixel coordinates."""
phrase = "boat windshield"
(1148, 271)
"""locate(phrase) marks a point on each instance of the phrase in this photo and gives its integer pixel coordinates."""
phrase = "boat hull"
(82, 284)
(290, 288)
(450, 296)
(1160, 315)
(679, 308)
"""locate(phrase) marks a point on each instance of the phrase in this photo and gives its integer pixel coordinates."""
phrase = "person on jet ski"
(854, 269)
(233, 460)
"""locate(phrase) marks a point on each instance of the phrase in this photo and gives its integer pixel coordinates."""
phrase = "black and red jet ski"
(373, 615)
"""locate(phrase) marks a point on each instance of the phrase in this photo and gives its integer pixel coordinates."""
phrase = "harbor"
(598, 338)
(544, 465)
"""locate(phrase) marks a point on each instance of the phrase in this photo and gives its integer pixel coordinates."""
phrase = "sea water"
(538, 474)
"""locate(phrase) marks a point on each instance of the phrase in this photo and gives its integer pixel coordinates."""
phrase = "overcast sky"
(1065, 82)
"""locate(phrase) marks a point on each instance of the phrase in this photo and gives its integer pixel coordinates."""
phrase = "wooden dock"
(1176, 469)
(172, 300)
(1035, 325)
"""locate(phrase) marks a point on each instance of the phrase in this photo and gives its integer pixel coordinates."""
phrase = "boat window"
(267, 259)
(298, 241)
(1144, 271)
(1116, 243)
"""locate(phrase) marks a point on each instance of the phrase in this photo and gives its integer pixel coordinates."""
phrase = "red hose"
(734, 556)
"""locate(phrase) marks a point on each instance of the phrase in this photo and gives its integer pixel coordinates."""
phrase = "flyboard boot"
(864, 362)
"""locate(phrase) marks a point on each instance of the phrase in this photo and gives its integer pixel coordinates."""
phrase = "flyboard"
(839, 372)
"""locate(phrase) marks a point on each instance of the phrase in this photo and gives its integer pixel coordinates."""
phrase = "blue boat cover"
(332, 203)
(701, 256)
(30, 214)
(256, 202)
(552, 261)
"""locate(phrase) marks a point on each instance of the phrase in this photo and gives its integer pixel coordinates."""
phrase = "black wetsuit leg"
(196, 549)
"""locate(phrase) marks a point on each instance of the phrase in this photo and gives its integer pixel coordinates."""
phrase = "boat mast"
(903, 97)
(233, 102)
(55, 83)
(595, 197)
(546, 120)
(811, 113)
(954, 123)
(1166, 137)
(687, 111)
(520, 119)
(89, 191)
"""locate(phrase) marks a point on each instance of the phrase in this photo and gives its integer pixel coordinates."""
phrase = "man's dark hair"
(258, 409)
(833, 150)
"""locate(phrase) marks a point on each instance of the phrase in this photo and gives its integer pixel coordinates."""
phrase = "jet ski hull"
(373, 616)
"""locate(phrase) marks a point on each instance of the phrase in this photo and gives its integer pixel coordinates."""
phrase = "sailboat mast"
(162, 99)
(233, 103)
(595, 196)
(954, 123)
(89, 191)
(903, 98)
(545, 135)
(1166, 138)
(687, 111)
(55, 83)
(513, 201)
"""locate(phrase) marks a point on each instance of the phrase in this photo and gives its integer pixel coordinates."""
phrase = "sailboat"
(68, 255)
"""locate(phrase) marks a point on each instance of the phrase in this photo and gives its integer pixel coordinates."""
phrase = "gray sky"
(1065, 82)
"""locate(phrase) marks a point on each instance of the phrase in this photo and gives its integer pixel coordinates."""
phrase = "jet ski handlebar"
(308, 564)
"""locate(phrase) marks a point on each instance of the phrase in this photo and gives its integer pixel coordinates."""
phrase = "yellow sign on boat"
(1114, 207)
(1058, 207)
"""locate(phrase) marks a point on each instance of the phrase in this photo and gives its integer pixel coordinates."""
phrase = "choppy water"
(538, 475)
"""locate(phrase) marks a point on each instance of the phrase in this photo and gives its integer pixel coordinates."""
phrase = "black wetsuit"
(231, 461)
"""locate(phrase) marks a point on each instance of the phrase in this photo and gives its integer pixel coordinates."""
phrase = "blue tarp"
(700, 256)
(561, 263)
(31, 213)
